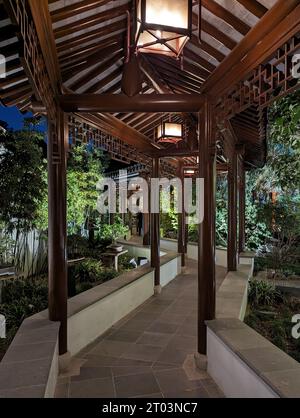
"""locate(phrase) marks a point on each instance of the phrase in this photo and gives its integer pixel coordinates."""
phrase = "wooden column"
(146, 237)
(206, 245)
(242, 209)
(232, 213)
(155, 227)
(181, 248)
(57, 230)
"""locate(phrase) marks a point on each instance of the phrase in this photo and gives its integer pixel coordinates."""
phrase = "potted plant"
(113, 232)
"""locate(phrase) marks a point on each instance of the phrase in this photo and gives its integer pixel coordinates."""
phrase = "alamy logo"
(2, 326)
(2, 66)
(296, 66)
(296, 328)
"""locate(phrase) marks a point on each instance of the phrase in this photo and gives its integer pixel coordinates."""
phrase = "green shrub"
(34, 289)
(263, 294)
(78, 247)
(83, 287)
(88, 270)
(108, 274)
(124, 262)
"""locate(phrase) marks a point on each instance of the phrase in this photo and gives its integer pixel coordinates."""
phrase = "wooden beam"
(279, 24)
(75, 9)
(157, 82)
(256, 8)
(119, 129)
(43, 25)
(174, 152)
(90, 21)
(121, 103)
(225, 15)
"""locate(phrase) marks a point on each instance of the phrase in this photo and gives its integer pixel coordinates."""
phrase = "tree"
(22, 180)
(85, 167)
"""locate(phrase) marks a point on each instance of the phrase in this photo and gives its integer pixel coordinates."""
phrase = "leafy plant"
(262, 294)
(114, 231)
(89, 270)
(22, 181)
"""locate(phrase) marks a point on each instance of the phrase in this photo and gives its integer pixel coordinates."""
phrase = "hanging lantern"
(163, 26)
(189, 172)
(170, 132)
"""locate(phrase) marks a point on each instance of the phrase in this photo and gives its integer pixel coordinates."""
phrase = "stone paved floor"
(147, 354)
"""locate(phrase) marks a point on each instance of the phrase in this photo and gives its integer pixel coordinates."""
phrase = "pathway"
(149, 353)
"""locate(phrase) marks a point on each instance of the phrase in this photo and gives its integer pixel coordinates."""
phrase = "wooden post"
(242, 210)
(57, 230)
(155, 228)
(232, 213)
(146, 237)
(206, 245)
(181, 248)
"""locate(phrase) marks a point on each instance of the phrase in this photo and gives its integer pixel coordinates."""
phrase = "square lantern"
(170, 132)
(163, 26)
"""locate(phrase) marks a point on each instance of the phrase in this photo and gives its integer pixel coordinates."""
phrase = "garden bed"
(270, 313)
(22, 298)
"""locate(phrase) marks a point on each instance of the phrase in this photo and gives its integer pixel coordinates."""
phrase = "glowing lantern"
(170, 132)
(163, 26)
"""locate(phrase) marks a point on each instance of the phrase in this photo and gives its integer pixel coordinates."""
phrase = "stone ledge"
(278, 370)
(97, 293)
(30, 366)
(231, 298)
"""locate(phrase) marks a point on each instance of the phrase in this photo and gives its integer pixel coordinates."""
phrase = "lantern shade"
(170, 132)
(163, 26)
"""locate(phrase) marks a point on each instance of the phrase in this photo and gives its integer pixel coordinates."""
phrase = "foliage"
(89, 271)
(83, 173)
(283, 163)
(221, 211)
(114, 231)
(22, 182)
(262, 294)
(7, 245)
(21, 298)
(274, 323)
(78, 246)
(169, 219)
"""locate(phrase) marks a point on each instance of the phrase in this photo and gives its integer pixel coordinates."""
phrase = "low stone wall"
(192, 251)
(242, 362)
(93, 312)
(170, 261)
(29, 368)
(246, 365)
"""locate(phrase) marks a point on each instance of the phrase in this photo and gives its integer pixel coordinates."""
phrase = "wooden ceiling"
(90, 38)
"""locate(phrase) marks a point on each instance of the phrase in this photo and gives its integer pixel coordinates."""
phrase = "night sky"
(15, 118)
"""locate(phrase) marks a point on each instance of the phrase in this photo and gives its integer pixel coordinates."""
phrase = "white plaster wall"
(231, 374)
(192, 251)
(170, 270)
(139, 251)
(87, 325)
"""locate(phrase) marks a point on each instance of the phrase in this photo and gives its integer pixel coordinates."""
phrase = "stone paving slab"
(149, 353)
